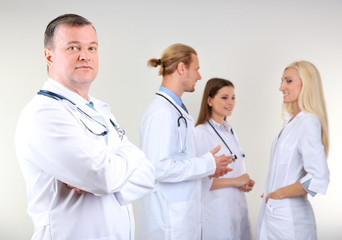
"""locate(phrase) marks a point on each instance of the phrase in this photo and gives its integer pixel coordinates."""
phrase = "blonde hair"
(211, 88)
(311, 97)
(170, 58)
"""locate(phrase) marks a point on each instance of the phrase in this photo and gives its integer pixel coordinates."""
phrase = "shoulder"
(202, 128)
(158, 112)
(309, 120)
(41, 105)
(310, 126)
(159, 106)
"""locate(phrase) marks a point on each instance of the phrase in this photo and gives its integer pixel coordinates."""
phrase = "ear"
(48, 54)
(210, 102)
(181, 68)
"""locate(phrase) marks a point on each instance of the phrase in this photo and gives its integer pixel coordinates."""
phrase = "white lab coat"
(55, 148)
(173, 209)
(224, 211)
(297, 155)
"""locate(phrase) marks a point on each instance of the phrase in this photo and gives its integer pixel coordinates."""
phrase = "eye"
(289, 81)
(73, 48)
(233, 98)
(225, 98)
(93, 49)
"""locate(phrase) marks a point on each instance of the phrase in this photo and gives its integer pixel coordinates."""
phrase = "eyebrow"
(78, 42)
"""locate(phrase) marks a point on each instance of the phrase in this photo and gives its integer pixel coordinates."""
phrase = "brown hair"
(170, 58)
(211, 89)
(66, 19)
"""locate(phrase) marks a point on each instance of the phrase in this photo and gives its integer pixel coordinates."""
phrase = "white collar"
(53, 85)
(224, 126)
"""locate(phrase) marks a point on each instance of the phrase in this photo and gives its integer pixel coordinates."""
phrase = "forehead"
(194, 60)
(229, 90)
(290, 72)
(82, 34)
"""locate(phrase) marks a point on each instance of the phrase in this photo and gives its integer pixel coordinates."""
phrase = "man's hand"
(221, 163)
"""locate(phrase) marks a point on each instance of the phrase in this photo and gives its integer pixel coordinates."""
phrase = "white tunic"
(173, 209)
(224, 211)
(297, 155)
(54, 148)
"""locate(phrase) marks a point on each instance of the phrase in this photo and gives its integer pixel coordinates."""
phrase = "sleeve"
(306, 185)
(139, 183)
(312, 151)
(158, 137)
(54, 141)
(202, 146)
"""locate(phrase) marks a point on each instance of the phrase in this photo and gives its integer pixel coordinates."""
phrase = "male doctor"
(173, 209)
(65, 136)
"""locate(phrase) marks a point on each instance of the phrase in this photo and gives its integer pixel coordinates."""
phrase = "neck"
(171, 83)
(296, 110)
(80, 89)
(217, 118)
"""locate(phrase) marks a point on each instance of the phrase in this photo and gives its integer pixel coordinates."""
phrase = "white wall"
(248, 42)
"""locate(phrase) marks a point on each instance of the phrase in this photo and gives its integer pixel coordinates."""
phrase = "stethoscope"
(180, 118)
(58, 97)
(231, 153)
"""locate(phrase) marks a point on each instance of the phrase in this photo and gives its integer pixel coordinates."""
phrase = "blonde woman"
(224, 207)
(298, 158)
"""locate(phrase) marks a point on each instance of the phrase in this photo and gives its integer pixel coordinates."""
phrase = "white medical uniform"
(54, 148)
(173, 209)
(297, 155)
(224, 211)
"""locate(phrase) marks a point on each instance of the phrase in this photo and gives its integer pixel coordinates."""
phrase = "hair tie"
(159, 62)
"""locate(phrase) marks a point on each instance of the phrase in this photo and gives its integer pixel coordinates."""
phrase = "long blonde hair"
(170, 58)
(311, 97)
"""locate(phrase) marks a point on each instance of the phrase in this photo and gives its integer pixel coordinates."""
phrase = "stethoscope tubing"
(59, 97)
(231, 153)
(181, 117)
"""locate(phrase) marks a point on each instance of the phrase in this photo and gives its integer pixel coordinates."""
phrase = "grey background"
(248, 42)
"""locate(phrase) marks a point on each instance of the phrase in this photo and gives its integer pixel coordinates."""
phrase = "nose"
(199, 76)
(84, 56)
(282, 87)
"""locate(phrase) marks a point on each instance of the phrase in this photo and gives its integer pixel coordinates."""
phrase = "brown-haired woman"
(223, 198)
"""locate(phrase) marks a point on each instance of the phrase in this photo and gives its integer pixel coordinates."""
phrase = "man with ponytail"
(173, 209)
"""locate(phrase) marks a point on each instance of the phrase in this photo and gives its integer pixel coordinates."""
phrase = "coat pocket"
(278, 218)
(185, 220)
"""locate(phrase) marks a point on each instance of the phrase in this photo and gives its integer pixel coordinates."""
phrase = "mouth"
(84, 67)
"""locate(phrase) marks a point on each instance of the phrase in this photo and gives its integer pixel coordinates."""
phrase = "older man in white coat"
(173, 209)
(66, 137)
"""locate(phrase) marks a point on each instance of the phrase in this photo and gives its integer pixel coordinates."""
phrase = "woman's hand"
(293, 190)
(76, 190)
(248, 186)
(278, 194)
(242, 180)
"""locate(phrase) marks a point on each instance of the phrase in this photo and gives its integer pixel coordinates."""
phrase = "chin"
(190, 90)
